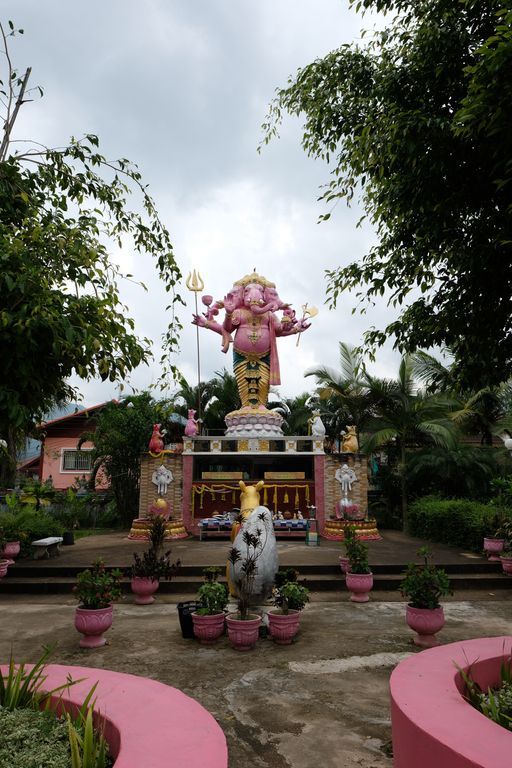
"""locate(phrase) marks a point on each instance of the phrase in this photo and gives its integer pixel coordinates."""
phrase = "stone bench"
(48, 547)
(432, 723)
(147, 723)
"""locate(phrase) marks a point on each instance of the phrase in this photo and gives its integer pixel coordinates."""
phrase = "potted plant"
(10, 543)
(243, 626)
(289, 597)
(506, 554)
(423, 585)
(359, 578)
(208, 619)
(151, 566)
(96, 589)
(4, 562)
(494, 543)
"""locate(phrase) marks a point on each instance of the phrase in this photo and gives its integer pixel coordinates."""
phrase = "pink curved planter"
(4, 564)
(148, 724)
(506, 564)
(208, 629)
(143, 588)
(343, 563)
(92, 623)
(243, 635)
(283, 627)
(359, 585)
(432, 724)
(425, 622)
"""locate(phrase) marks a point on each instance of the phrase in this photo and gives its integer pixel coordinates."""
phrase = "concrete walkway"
(395, 548)
(321, 702)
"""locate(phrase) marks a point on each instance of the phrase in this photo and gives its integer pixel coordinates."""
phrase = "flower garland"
(224, 488)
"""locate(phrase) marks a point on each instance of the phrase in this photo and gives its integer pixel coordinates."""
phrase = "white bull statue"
(256, 544)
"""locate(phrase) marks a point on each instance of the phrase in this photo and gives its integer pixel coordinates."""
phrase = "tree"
(415, 122)
(61, 211)
(121, 435)
(297, 411)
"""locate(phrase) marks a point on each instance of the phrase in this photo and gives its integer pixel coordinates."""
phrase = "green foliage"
(285, 575)
(211, 573)
(458, 522)
(121, 435)
(213, 597)
(494, 703)
(28, 525)
(31, 739)
(356, 551)
(96, 587)
(63, 213)
(424, 584)
(157, 532)
(290, 596)
(22, 689)
(414, 122)
(461, 471)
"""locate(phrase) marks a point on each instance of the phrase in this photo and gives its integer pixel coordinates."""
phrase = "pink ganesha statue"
(252, 326)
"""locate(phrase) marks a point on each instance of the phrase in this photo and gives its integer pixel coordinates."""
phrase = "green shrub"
(459, 522)
(30, 739)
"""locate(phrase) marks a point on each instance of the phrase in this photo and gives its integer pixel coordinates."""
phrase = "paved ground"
(321, 702)
(116, 549)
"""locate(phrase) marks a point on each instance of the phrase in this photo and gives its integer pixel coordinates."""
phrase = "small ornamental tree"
(62, 212)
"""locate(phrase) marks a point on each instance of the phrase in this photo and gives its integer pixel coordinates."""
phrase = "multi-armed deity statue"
(252, 326)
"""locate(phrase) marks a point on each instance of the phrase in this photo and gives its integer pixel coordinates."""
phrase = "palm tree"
(188, 396)
(296, 412)
(407, 418)
(223, 398)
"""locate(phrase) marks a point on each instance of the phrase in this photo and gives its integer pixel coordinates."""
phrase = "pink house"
(60, 458)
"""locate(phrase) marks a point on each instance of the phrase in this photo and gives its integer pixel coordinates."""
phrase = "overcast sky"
(181, 87)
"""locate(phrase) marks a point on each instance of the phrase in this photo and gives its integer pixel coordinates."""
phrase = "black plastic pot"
(185, 611)
(68, 538)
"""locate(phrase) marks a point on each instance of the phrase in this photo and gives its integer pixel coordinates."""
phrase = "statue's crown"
(253, 277)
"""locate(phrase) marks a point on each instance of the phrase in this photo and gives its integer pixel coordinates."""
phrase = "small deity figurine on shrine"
(192, 425)
(156, 444)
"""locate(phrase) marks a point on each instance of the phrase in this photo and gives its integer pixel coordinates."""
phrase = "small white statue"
(345, 476)
(280, 515)
(162, 477)
(317, 425)
(300, 516)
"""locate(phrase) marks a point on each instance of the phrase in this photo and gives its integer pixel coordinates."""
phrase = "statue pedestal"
(254, 422)
(365, 529)
(174, 529)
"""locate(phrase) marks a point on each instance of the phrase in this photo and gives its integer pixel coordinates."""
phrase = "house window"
(76, 461)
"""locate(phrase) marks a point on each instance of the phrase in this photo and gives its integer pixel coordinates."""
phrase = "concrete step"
(188, 584)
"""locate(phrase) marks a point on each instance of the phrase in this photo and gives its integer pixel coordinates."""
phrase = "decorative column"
(188, 465)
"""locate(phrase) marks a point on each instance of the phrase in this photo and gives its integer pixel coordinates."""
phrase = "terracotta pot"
(243, 634)
(343, 563)
(493, 547)
(11, 550)
(425, 622)
(208, 629)
(359, 585)
(283, 626)
(93, 622)
(143, 588)
(4, 564)
(506, 564)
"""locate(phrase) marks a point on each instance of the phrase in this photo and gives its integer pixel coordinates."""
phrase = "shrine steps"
(59, 579)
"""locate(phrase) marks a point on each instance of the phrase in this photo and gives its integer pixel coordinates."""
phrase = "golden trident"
(195, 283)
(306, 312)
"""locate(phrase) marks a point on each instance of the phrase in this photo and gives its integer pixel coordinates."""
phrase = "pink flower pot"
(143, 588)
(243, 634)
(493, 547)
(343, 563)
(283, 626)
(425, 622)
(4, 564)
(359, 585)
(11, 550)
(506, 564)
(208, 629)
(93, 622)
